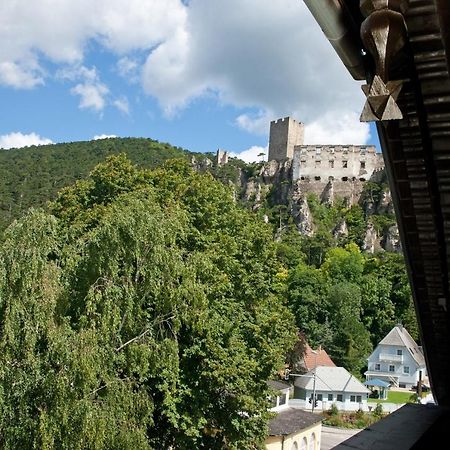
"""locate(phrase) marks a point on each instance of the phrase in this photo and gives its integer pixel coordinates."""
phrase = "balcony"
(391, 358)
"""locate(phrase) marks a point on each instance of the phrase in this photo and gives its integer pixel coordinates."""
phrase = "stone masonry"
(285, 134)
(321, 163)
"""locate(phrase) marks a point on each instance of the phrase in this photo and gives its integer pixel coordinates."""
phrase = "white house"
(397, 360)
(291, 428)
(332, 385)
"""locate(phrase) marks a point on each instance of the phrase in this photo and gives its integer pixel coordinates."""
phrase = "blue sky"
(201, 74)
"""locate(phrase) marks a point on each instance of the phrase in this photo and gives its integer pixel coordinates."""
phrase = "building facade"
(335, 162)
(332, 385)
(397, 359)
(321, 163)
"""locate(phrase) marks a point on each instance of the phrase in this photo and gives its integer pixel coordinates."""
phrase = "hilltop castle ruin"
(320, 162)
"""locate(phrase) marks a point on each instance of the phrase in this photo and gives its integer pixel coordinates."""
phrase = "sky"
(199, 74)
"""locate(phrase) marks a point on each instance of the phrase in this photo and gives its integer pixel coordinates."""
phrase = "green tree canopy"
(144, 313)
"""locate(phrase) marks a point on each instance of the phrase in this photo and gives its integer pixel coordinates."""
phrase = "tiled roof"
(291, 421)
(331, 379)
(320, 359)
(400, 337)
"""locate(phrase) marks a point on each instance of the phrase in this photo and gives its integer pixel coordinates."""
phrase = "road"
(333, 436)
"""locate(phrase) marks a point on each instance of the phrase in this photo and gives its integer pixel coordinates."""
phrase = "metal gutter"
(334, 20)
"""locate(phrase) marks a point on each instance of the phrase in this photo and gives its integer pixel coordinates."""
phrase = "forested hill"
(30, 176)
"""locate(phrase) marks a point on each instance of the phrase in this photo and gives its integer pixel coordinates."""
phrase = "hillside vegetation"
(33, 175)
(145, 307)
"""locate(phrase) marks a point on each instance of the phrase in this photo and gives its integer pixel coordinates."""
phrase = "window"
(281, 400)
(312, 442)
(339, 397)
(353, 398)
(362, 165)
(391, 368)
(294, 446)
(304, 444)
(377, 367)
(358, 398)
(399, 352)
(317, 178)
(303, 162)
(406, 369)
(330, 397)
(344, 178)
(331, 163)
(319, 397)
(318, 163)
(344, 164)
(318, 150)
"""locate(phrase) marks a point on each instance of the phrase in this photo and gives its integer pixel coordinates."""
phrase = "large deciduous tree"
(144, 313)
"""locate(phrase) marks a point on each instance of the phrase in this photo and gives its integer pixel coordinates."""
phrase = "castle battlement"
(285, 134)
(320, 162)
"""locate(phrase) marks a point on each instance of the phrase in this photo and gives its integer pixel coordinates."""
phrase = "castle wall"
(335, 162)
(350, 190)
(285, 134)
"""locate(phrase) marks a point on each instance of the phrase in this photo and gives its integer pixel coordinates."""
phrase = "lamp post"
(314, 381)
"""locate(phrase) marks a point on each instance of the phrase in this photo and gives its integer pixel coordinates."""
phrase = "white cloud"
(252, 154)
(122, 105)
(19, 76)
(263, 56)
(129, 68)
(93, 93)
(104, 136)
(18, 140)
(92, 96)
(59, 30)
(257, 123)
(337, 128)
(268, 56)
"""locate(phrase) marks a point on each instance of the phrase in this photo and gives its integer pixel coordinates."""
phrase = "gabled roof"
(332, 379)
(400, 337)
(311, 359)
(291, 421)
(278, 385)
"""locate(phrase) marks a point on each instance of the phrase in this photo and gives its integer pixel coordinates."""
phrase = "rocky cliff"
(268, 188)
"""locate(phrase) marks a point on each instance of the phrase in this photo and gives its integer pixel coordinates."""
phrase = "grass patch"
(395, 397)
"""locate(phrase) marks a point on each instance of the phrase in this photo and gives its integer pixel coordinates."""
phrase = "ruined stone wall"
(328, 191)
(285, 134)
(335, 162)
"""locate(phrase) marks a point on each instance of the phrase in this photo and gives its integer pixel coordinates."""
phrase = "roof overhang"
(416, 150)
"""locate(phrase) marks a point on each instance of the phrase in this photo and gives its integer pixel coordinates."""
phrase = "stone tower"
(285, 134)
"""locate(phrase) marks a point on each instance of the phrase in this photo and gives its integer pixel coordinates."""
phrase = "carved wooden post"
(383, 32)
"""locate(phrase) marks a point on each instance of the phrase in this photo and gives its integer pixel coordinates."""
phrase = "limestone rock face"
(391, 241)
(302, 214)
(275, 172)
(386, 206)
(253, 192)
(201, 164)
(341, 230)
(327, 196)
(371, 240)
